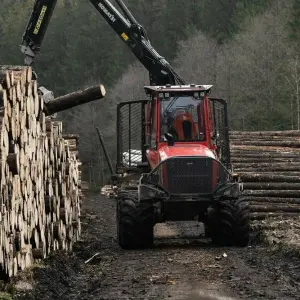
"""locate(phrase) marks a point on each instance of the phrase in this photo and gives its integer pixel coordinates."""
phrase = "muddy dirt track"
(179, 267)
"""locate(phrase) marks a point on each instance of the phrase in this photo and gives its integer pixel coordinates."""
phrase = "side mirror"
(170, 139)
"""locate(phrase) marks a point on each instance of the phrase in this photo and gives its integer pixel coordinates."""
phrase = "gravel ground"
(180, 266)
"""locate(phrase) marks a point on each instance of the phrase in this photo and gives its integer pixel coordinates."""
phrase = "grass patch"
(6, 296)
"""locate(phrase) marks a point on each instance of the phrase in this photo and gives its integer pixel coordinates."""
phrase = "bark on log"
(294, 171)
(258, 150)
(283, 174)
(254, 147)
(290, 143)
(70, 136)
(259, 199)
(252, 177)
(74, 99)
(271, 186)
(264, 138)
(265, 155)
(263, 215)
(264, 133)
(271, 193)
(264, 160)
(267, 167)
(275, 208)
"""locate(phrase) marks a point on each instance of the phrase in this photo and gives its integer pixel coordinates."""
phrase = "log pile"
(40, 176)
(268, 163)
(109, 191)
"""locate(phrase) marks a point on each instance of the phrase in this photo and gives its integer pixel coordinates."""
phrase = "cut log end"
(102, 90)
(74, 99)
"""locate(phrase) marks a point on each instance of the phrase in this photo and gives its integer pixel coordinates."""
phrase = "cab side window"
(148, 122)
(211, 119)
(153, 127)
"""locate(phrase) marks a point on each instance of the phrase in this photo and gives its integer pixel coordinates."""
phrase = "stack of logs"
(40, 176)
(268, 163)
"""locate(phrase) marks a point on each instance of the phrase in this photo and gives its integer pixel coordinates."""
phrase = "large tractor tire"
(230, 223)
(135, 223)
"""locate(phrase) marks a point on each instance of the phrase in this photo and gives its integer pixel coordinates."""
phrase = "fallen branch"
(91, 258)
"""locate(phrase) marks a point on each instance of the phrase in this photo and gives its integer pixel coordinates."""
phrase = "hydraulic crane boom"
(36, 29)
(134, 35)
(127, 28)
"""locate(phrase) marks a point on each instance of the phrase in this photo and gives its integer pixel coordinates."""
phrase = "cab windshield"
(182, 116)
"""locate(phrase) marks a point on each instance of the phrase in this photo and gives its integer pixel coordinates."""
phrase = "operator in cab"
(182, 127)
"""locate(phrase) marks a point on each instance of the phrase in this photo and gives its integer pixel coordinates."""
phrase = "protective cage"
(130, 134)
(221, 130)
(193, 175)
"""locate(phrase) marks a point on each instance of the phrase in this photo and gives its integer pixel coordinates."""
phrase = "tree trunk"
(265, 215)
(267, 207)
(271, 186)
(266, 133)
(254, 199)
(272, 193)
(263, 177)
(74, 99)
(287, 143)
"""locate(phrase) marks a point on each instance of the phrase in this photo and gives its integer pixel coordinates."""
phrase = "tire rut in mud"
(176, 268)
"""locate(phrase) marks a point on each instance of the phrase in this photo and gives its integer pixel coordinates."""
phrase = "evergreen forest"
(248, 49)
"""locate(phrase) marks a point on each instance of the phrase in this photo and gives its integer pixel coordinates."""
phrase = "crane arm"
(36, 29)
(135, 37)
(126, 27)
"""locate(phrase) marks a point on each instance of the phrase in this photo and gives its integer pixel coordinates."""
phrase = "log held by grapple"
(74, 99)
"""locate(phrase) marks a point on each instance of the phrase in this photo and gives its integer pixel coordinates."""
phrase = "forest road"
(180, 266)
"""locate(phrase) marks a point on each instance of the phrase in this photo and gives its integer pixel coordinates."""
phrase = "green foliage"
(249, 8)
(5, 296)
(295, 22)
